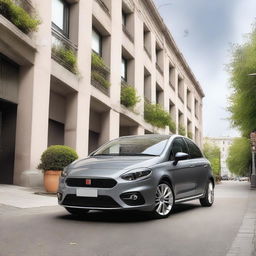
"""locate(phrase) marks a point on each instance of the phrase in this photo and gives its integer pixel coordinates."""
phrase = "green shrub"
(99, 78)
(97, 62)
(155, 115)
(129, 96)
(190, 135)
(182, 130)
(57, 157)
(18, 16)
(67, 56)
(99, 70)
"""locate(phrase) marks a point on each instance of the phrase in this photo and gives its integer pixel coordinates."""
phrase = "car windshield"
(134, 146)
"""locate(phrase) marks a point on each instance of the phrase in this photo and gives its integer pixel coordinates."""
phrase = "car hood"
(109, 166)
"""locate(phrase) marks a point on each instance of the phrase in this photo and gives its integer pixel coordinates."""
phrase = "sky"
(204, 31)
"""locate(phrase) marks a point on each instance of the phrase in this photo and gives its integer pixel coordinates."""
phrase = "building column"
(110, 126)
(33, 107)
(81, 111)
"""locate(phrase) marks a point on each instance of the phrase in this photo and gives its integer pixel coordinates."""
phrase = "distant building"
(223, 143)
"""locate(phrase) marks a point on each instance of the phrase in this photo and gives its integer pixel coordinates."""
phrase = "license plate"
(86, 192)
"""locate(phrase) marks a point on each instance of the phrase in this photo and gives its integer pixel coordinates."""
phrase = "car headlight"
(137, 174)
(64, 172)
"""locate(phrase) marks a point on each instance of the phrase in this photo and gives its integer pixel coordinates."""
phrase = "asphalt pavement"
(226, 228)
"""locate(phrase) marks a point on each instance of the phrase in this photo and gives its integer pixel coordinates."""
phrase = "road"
(190, 230)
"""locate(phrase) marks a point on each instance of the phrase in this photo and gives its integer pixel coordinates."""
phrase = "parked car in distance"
(147, 173)
(224, 177)
(243, 178)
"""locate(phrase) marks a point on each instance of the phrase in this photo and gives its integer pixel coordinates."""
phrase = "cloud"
(211, 26)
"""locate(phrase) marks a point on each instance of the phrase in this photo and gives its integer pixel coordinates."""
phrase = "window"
(124, 69)
(60, 16)
(178, 145)
(194, 151)
(96, 42)
(124, 16)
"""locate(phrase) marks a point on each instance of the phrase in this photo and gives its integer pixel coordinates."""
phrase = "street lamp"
(253, 142)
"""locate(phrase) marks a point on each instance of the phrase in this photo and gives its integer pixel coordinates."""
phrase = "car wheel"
(77, 211)
(164, 200)
(208, 199)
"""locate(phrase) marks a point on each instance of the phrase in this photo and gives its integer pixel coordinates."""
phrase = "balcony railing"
(128, 34)
(103, 6)
(64, 51)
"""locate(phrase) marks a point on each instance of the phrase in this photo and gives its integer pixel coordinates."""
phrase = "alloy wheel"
(164, 199)
(210, 193)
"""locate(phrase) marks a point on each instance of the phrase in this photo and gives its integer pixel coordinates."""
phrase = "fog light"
(132, 198)
(59, 195)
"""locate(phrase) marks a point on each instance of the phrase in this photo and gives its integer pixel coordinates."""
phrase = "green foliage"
(67, 56)
(190, 135)
(57, 157)
(155, 115)
(97, 62)
(129, 96)
(243, 101)
(239, 157)
(18, 16)
(212, 153)
(99, 70)
(182, 130)
(99, 78)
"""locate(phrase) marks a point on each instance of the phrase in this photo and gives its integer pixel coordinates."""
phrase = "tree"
(239, 157)
(212, 153)
(243, 101)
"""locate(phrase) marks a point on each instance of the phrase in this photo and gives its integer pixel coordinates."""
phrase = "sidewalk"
(244, 243)
(23, 197)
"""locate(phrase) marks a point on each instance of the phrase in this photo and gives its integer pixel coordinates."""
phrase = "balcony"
(104, 7)
(100, 74)
(172, 86)
(128, 34)
(26, 5)
(159, 69)
(64, 51)
(147, 52)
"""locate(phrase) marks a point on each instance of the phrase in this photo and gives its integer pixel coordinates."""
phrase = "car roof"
(164, 136)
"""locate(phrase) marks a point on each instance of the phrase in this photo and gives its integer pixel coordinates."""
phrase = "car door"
(182, 177)
(199, 166)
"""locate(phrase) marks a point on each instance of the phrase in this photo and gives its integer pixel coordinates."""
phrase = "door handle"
(191, 166)
(206, 165)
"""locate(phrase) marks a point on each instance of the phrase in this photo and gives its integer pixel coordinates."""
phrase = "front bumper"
(111, 198)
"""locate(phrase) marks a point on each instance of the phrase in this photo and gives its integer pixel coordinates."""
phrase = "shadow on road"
(125, 216)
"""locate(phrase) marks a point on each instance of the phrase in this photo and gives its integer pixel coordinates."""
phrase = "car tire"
(164, 200)
(208, 199)
(77, 211)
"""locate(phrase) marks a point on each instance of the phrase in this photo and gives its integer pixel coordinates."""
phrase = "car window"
(178, 145)
(194, 151)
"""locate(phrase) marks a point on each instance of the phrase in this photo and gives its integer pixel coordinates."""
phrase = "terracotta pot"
(51, 180)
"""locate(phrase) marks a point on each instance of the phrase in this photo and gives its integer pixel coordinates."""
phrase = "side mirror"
(180, 156)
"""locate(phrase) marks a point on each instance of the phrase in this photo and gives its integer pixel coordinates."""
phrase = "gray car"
(147, 172)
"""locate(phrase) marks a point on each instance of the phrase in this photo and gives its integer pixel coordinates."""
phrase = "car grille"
(95, 183)
(100, 201)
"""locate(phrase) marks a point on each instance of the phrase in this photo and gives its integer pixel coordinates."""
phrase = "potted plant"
(53, 160)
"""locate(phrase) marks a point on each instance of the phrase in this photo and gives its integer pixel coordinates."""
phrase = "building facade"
(62, 83)
(223, 143)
